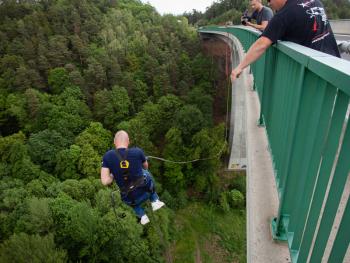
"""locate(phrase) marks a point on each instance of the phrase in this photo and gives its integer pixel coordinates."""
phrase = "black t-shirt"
(265, 14)
(303, 22)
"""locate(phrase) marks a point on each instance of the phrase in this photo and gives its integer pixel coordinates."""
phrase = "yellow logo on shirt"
(124, 164)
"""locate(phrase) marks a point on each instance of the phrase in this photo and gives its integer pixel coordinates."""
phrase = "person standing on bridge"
(301, 21)
(128, 168)
(261, 14)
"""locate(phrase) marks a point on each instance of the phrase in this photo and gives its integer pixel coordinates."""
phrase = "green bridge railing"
(304, 96)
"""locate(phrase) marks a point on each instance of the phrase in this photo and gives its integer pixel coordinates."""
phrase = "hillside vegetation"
(74, 72)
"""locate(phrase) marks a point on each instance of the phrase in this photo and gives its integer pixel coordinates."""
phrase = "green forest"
(72, 73)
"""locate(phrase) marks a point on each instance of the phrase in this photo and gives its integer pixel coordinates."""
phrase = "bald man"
(128, 168)
(300, 21)
(261, 14)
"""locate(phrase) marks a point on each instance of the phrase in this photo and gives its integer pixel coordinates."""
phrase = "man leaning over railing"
(300, 21)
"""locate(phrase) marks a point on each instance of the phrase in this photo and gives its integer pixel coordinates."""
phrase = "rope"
(126, 234)
(228, 78)
(217, 156)
(160, 233)
(190, 161)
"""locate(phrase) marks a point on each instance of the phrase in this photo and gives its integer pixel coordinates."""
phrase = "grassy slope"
(206, 234)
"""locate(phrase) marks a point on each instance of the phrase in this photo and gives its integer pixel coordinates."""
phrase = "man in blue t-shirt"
(301, 21)
(128, 168)
(261, 14)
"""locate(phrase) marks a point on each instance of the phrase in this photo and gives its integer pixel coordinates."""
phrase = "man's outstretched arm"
(254, 52)
(106, 177)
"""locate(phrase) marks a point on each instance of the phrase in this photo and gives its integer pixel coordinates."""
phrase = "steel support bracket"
(261, 121)
(278, 232)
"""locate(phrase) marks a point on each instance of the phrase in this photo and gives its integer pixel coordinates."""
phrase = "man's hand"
(254, 52)
(106, 177)
(259, 27)
(145, 165)
(236, 73)
(250, 24)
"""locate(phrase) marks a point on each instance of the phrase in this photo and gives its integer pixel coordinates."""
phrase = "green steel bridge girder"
(304, 105)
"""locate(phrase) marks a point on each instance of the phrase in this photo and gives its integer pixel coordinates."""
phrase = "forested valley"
(72, 73)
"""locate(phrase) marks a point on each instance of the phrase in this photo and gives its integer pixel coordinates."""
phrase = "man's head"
(276, 4)
(256, 5)
(121, 139)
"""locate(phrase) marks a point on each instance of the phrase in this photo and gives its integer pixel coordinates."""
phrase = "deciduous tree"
(33, 248)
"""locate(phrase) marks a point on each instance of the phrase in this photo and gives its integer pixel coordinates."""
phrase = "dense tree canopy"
(71, 74)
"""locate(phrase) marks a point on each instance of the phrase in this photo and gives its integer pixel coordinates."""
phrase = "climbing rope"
(228, 78)
(217, 156)
(160, 233)
(122, 215)
(190, 161)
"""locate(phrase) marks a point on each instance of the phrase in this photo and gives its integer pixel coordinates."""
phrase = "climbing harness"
(129, 184)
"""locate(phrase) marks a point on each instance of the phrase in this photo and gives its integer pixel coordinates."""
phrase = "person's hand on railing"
(255, 51)
(236, 72)
(344, 46)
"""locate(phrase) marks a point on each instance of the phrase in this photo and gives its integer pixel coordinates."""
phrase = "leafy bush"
(231, 199)
(235, 198)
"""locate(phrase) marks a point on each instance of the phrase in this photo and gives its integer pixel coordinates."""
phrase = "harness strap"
(124, 164)
(129, 186)
(120, 157)
(133, 185)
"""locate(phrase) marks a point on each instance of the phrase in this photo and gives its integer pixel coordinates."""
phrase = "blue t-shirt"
(265, 14)
(135, 157)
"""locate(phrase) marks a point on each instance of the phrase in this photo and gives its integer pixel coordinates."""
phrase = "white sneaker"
(157, 204)
(144, 220)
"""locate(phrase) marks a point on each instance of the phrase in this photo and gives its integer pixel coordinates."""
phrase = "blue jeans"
(147, 193)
